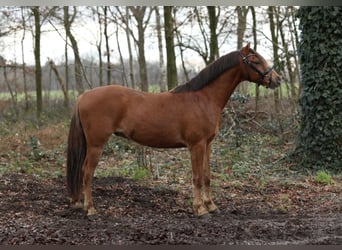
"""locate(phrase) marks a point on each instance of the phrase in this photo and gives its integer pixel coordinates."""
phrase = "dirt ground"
(36, 211)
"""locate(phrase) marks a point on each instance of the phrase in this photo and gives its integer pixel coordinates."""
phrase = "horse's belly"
(153, 138)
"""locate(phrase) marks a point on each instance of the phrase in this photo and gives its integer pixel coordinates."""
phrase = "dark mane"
(209, 73)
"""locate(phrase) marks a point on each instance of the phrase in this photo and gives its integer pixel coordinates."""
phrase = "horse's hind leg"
(93, 156)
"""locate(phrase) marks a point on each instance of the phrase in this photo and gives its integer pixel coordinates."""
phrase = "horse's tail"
(76, 153)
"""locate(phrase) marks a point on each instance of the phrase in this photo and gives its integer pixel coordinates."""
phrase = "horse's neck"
(222, 88)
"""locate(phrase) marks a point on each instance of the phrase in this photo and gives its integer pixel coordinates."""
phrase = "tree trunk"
(99, 46)
(123, 73)
(61, 82)
(242, 12)
(320, 137)
(255, 41)
(23, 59)
(131, 66)
(38, 67)
(171, 67)
(139, 14)
(295, 44)
(78, 63)
(12, 92)
(182, 49)
(163, 85)
(271, 12)
(105, 32)
(66, 66)
(213, 19)
(291, 95)
(141, 57)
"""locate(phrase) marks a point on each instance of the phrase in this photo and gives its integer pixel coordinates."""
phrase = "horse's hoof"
(91, 211)
(93, 217)
(77, 205)
(216, 211)
(205, 216)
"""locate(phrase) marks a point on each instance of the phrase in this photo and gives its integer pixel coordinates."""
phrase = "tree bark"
(163, 85)
(319, 141)
(171, 67)
(271, 12)
(61, 82)
(78, 64)
(38, 67)
(255, 41)
(98, 46)
(23, 59)
(213, 46)
(139, 14)
(291, 89)
(105, 32)
(242, 12)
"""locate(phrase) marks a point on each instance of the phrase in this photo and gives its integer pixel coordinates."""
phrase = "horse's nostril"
(279, 79)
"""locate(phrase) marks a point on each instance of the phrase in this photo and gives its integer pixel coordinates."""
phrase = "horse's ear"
(245, 49)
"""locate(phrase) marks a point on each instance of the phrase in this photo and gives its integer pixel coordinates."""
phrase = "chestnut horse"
(187, 116)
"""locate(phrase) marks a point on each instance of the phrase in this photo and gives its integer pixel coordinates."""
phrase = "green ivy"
(320, 52)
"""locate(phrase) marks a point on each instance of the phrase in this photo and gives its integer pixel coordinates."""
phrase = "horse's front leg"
(198, 156)
(208, 202)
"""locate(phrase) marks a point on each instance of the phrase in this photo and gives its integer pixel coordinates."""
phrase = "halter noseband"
(250, 64)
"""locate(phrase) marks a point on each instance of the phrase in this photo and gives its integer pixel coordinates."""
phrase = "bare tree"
(242, 12)
(23, 19)
(142, 16)
(99, 45)
(273, 15)
(125, 19)
(130, 49)
(38, 69)
(171, 67)
(106, 35)
(61, 82)
(292, 50)
(255, 42)
(68, 21)
(206, 44)
(213, 45)
(123, 72)
(163, 85)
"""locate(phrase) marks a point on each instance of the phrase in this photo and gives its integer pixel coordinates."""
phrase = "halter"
(250, 64)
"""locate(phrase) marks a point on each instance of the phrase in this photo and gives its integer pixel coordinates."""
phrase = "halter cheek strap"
(250, 64)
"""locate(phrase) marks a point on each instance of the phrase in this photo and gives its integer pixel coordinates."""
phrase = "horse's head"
(257, 69)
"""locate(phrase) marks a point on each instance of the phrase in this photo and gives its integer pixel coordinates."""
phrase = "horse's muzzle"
(275, 80)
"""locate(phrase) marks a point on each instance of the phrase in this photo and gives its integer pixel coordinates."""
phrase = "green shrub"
(323, 177)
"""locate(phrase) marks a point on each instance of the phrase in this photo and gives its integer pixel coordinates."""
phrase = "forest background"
(50, 55)
(275, 164)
